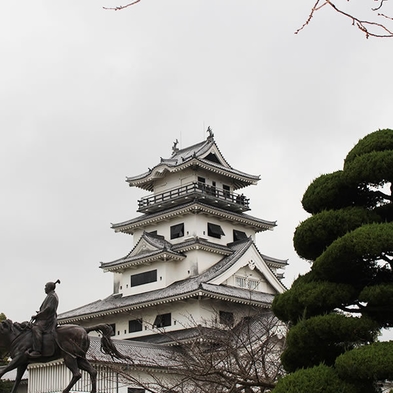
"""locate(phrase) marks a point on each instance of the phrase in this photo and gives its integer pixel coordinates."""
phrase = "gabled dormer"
(148, 266)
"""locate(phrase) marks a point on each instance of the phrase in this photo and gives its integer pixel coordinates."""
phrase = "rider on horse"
(45, 320)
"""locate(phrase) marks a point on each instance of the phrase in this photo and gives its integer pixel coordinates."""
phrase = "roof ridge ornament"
(211, 134)
(174, 147)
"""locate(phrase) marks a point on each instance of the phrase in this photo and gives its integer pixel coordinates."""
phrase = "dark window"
(113, 326)
(239, 235)
(226, 318)
(213, 158)
(201, 183)
(177, 231)
(135, 390)
(135, 325)
(143, 278)
(226, 191)
(163, 320)
(214, 230)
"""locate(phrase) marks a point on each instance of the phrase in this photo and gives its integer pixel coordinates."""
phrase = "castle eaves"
(190, 208)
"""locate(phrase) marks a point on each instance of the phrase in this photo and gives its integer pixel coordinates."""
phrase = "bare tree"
(212, 357)
(376, 23)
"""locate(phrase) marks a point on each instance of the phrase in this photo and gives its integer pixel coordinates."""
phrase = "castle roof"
(151, 247)
(205, 155)
(201, 285)
(194, 206)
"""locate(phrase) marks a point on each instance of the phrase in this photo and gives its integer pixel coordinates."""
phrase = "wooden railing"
(198, 189)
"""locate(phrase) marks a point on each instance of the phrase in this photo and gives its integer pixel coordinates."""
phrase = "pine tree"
(337, 310)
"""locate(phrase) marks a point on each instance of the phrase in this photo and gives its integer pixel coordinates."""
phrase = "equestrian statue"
(42, 340)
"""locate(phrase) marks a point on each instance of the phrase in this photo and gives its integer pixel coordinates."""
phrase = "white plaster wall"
(202, 311)
(195, 225)
(55, 376)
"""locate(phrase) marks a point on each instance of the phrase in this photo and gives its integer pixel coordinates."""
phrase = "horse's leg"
(19, 375)
(14, 363)
(72, 364)
(86, 366)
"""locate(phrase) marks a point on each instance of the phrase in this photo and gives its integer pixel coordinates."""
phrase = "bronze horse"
(71, 343)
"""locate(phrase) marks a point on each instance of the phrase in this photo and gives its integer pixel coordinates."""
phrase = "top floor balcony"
(201, 191)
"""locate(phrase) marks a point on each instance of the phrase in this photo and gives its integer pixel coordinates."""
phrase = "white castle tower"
(194, 255)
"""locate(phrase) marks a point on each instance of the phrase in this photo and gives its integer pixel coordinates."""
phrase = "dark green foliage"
(323, 338)
(319, 231)
(352, 259)
(370, 362)
(307, 299)
(319, 379)
(380, 140)
(379, 300)
(329, 192)
(337, 309)
(6, 386)
(374, 168)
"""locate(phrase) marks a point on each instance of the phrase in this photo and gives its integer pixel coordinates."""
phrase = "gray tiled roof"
(198, 241)
(192, 154)
(178, 290)
(140, 353)
(191, 206)
(164, 247)
(161, 245)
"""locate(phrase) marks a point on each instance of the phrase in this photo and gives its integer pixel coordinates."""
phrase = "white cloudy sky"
(88, 97)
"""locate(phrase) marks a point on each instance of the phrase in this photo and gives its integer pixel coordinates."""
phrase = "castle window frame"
(227, 318)
(226, 190)
(144, 278)
(239, 235)
(177, 231)
(246, 282)
(135, 325)
(163, 320)
(214, 230)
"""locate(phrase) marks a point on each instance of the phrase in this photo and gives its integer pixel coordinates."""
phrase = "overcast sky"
(88, 97)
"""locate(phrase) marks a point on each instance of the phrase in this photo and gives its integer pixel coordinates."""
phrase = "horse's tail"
(107, 345)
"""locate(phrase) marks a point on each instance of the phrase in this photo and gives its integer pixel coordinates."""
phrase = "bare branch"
(121, 7)
(380, 5)
(244, 357)
(370, 27)
(313, 10)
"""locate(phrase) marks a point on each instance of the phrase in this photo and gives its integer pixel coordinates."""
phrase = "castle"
(194, 256)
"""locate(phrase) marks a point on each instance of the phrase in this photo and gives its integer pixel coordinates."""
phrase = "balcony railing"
(211, 194)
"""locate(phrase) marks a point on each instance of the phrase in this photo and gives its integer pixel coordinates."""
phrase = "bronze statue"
(45, 321)
(70, 342)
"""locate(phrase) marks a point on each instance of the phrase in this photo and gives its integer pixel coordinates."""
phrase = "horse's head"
(6, 326)
(7, 332)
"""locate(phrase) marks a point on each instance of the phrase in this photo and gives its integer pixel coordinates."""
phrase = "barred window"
(246, 282)
(135, 325)
(143, 278)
